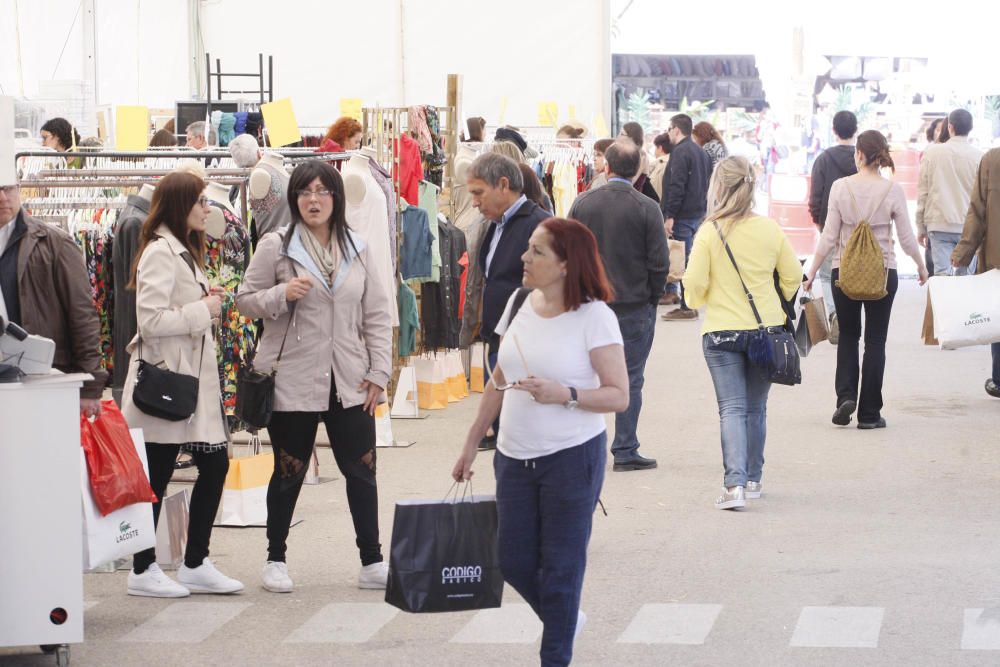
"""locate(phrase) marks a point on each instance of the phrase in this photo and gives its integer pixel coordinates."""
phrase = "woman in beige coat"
(326, 310)
(175, 311)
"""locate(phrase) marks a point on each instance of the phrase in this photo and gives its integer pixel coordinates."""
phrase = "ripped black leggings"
(352, 438)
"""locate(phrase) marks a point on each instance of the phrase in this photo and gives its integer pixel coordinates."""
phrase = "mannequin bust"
(463, 160)
(354, 182)
(146, 192)
(215, 225)
(260, 180)
(369, 153)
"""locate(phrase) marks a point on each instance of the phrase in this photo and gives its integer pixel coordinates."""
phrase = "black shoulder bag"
(255, 390)
(772, 348)
(162, 393)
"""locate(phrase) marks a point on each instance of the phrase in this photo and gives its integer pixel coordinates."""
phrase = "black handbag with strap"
(255, 390)
(162, 393)
(770, 347)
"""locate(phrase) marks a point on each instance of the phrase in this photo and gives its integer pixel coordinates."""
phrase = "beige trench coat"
(173, 323)
(345, 330)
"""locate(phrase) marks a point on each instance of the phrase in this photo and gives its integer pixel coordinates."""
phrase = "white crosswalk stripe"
(510, 624)
(838, 627)
(187, 622)
(344, 623)
(981, 630)
(671, 624)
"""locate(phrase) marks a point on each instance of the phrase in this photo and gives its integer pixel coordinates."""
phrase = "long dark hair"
(305, 174)
(175, 195)
(532, 186)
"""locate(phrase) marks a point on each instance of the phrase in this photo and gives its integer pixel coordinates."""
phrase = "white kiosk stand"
(41, 583)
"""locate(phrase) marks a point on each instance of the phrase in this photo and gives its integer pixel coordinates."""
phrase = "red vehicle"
(788, 204)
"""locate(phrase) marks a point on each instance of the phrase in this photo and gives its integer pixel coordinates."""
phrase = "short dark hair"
(845, 124)
(62, 130)
(961, 120)
(602, 145)
(682, 122)
(301, 177)
(662, 140)
(623, 159)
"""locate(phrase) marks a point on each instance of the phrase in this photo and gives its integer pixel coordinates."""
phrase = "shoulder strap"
(522, 294)
(281, 350)
(753, 306)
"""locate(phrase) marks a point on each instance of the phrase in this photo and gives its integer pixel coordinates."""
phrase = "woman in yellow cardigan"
(760, 249)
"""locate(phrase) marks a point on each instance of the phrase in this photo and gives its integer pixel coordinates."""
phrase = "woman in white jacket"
(175, 311)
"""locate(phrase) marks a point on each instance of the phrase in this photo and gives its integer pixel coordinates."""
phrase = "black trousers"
(871, 370)
(352, 439)
(205, 499)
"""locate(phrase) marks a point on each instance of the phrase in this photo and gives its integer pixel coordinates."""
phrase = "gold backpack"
(863, 276)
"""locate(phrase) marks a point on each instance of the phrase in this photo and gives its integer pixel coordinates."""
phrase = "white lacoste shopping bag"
(123, 532)
(966, 309)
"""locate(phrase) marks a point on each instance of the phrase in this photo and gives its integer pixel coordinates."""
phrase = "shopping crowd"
(567, 314)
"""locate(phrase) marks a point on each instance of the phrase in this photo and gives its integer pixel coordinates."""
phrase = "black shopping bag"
(444, 556)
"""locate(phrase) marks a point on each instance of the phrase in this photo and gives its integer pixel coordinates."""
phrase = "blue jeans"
(942, 245)
(545, 510)
(637, 329)
(741, 390)
(684, 230)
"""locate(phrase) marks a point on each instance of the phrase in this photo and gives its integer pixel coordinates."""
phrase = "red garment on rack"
(463, 261)
(411, 170)
(330, 146)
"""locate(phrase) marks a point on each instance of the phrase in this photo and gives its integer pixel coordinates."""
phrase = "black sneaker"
(842, 415)
(992, 388)
(634, 462)
(868, 426)
(488, 443)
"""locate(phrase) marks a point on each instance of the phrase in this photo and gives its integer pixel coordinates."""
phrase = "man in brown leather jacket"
(981, 237)
(45, 289)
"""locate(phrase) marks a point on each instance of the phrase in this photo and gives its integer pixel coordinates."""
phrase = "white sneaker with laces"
(153, 583)
(754, 490)
(731, 499)
(276, 577)
(206, 579)
(374, 576)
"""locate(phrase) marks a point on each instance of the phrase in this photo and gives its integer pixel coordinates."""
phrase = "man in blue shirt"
(495, 185)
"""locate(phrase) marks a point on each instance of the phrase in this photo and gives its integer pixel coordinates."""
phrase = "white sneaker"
(754, 490)
(206, 579)
(374, 576)
(276, 577)
(581, 620)
(730, 499)
(153, 583)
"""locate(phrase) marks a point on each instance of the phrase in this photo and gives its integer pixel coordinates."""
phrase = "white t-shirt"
(556, 348)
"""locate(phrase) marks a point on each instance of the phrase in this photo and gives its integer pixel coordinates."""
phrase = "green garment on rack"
(429, 202)
(409, 321)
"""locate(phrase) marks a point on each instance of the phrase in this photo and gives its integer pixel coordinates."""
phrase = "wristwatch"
(572, 402)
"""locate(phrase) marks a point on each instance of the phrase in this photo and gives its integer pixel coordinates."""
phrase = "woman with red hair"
(561, 358)
(343, 135)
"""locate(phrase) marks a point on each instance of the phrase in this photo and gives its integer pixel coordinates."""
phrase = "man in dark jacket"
(495, 184)
(633, 246)
(45, 289)
(685, 195)
(835, 162)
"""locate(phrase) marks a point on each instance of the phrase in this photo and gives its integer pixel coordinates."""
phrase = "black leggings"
(352, 439)
(205, 498)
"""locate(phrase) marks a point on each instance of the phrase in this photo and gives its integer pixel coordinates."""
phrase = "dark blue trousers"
(545, 508)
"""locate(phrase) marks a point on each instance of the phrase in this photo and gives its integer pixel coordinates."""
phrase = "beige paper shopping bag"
(458, 388)
(477, 379)
(432, 383)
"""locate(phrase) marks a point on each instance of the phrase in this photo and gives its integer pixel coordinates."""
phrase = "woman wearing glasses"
(327, 314)
(175, 311)
(560, 368)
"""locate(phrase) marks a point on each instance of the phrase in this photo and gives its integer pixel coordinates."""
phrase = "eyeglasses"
(508, 385)
(319, 194)
(203, 200)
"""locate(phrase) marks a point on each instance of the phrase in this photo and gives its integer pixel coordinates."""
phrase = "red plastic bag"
(117, 478)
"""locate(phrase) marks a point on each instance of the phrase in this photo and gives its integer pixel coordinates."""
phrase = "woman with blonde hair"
(759, 249)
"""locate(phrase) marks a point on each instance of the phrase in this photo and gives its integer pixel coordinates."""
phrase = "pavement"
(868, 547)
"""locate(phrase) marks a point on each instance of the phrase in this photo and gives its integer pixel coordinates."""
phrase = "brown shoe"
(670, 299)
(679, 314)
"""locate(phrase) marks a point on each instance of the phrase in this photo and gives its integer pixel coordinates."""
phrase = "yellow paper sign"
(132, 128)
(280, 123)
(351, 107)
(601, 130)
(503, 112)
(548, 114)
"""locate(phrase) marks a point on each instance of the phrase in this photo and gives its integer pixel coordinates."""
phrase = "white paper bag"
(244, 496)
(966, 309)
(477, 374)
(122, 533)
(172, 530)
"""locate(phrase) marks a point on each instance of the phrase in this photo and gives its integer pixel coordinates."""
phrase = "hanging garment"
(411, 170)
(475, 231)
(417, 124)
(384, 179)
(125, 245)
(409, 321)
(429, 203)
(439, 301)
(93, 231)
(367, 218)
(415, 263)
